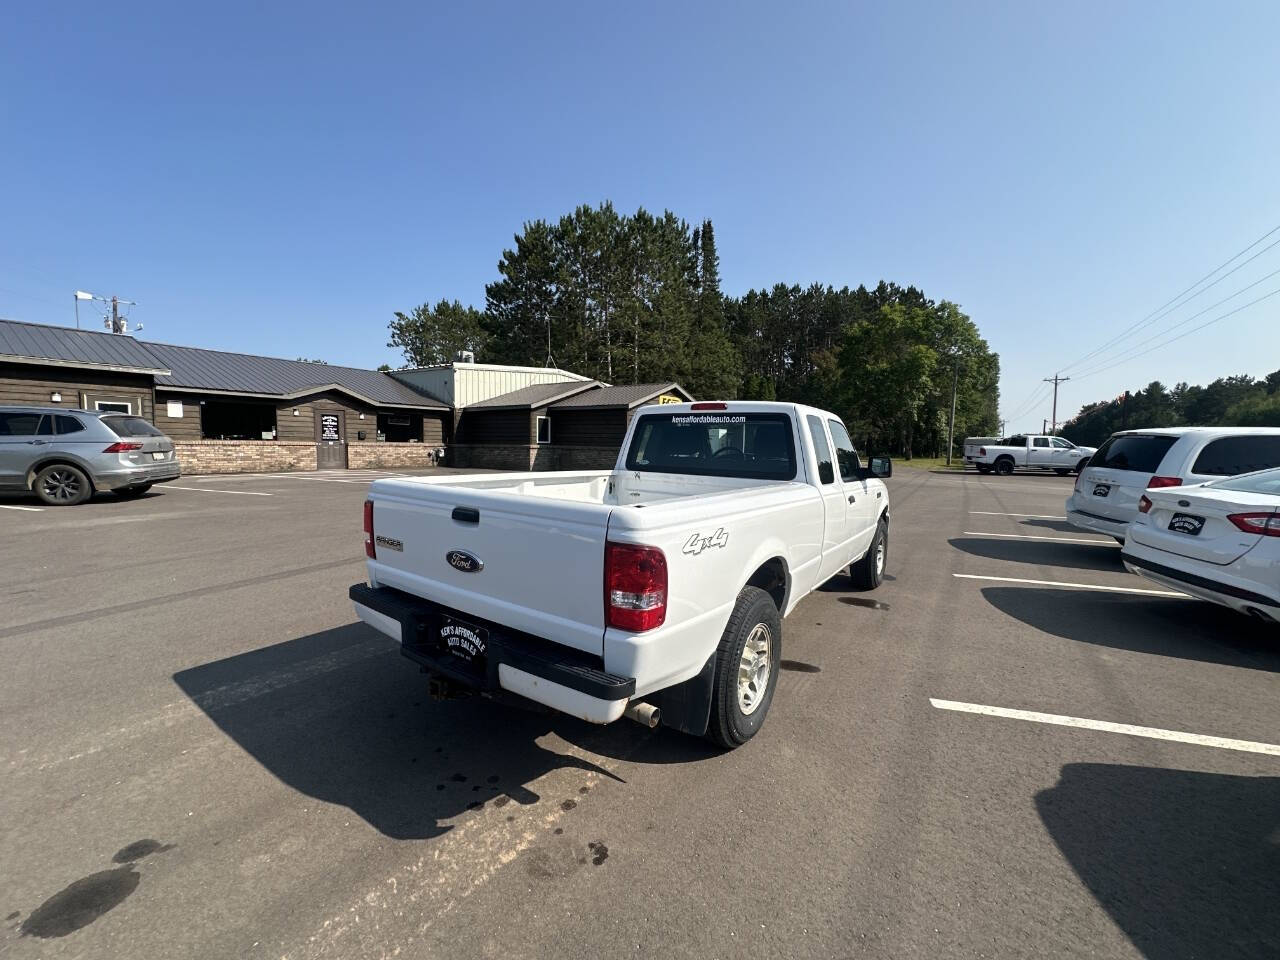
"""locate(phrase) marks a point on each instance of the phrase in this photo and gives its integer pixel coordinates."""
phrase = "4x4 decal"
(696, 544)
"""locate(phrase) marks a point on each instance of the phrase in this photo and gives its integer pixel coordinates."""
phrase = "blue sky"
(281, 180)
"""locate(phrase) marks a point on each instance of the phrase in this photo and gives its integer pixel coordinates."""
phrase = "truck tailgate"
(536, 564)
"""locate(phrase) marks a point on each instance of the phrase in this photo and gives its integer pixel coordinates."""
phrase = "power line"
(1160, 311)
(1184, 322)
(1188, 333)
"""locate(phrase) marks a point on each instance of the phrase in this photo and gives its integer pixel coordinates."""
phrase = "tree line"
(637, 299)
(1228, 401)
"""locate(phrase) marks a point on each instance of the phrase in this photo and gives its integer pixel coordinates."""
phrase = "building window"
(400, 427)
(114, 406)
(544, 429)
(228, 420)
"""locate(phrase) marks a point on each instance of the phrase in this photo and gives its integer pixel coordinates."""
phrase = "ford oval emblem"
(1184, 503)
(461, 560)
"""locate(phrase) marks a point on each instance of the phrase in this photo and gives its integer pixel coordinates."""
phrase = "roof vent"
(465, 356)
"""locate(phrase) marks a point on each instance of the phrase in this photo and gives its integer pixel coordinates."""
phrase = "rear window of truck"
(1142, 454)
(756, 446)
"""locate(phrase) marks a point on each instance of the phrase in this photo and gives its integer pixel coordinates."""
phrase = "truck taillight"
(982, 451)
(1157, 482)
(368, 530)
(122, 447)
(635, 587)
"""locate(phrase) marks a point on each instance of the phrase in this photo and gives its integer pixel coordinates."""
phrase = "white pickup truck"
(1032, 452)
(655, 590)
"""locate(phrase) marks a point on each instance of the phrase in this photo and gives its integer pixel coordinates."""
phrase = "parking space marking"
(1106, 726)
(1023, 536)
(5, 506)
(1073, 586)
(1033, 516)
(238, 493)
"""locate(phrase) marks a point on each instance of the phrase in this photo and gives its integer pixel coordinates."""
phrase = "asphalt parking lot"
(205, 755)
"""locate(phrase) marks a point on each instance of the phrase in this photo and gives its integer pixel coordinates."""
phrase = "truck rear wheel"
(746, 671)
(1004, 466)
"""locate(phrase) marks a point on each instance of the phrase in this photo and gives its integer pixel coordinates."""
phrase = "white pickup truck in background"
(1026, 452)
(655, 590)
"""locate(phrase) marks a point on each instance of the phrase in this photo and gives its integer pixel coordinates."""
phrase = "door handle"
(37, 443)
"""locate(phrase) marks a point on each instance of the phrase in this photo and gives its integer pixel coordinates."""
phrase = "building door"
(331, 440)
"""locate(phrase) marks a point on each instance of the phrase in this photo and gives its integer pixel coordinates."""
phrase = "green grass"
(931, 463)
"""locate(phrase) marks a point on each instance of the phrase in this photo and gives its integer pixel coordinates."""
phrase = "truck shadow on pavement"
(1104, 557)
(1186, 863)
(1165, 626)
(1060, 526)
(342, 717)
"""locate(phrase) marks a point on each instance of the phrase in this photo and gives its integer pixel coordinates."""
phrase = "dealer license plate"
(157, 456)
(464, 640)
(1186, 523)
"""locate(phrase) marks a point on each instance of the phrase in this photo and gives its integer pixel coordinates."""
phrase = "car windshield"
(131, 427)
(1264, 481)
(750, 445)
(1129, 452)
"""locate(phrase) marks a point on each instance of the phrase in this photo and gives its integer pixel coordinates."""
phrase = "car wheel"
(868, 573)
(62, 485)
(130, 493)
(1004, 467)
(746, 672)
(1062, 473)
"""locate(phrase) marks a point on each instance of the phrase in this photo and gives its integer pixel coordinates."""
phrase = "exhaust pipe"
(645, 714)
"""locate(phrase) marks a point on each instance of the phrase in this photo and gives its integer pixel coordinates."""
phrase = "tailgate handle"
(466, 514)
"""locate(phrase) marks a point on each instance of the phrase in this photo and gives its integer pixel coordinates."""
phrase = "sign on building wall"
(173, 409)
(670, 398)
(329, 426)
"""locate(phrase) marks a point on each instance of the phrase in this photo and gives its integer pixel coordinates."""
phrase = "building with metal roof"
(228, 411)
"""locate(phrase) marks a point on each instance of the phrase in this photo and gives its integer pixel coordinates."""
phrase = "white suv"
(1105, 499)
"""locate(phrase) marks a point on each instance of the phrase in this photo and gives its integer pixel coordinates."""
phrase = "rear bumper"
(136, 476)
(1200, 580)
(1094, 523)
(548, 673)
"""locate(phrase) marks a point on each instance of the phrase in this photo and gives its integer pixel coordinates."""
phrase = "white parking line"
(1023, 536)
(1153, 733)
(1033, 516)
(4, 506)
(1073, 586)
(238, 493)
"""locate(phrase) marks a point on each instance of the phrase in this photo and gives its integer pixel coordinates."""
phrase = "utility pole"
(1055, 380)
(951, 430)
(1044, 425)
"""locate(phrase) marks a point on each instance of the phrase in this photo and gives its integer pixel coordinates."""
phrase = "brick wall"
(368, 454)
(547, 456)
(244, 456)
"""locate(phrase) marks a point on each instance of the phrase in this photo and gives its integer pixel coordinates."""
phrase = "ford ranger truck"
(654, 590)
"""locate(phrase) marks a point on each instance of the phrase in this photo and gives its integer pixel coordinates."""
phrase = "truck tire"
(62, 485)
(868, 573)
(1004, 466)
(746, 670)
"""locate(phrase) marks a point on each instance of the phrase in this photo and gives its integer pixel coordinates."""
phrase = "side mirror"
(881, 467)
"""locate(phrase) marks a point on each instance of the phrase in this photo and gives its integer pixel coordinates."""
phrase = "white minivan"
(1105, 499)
